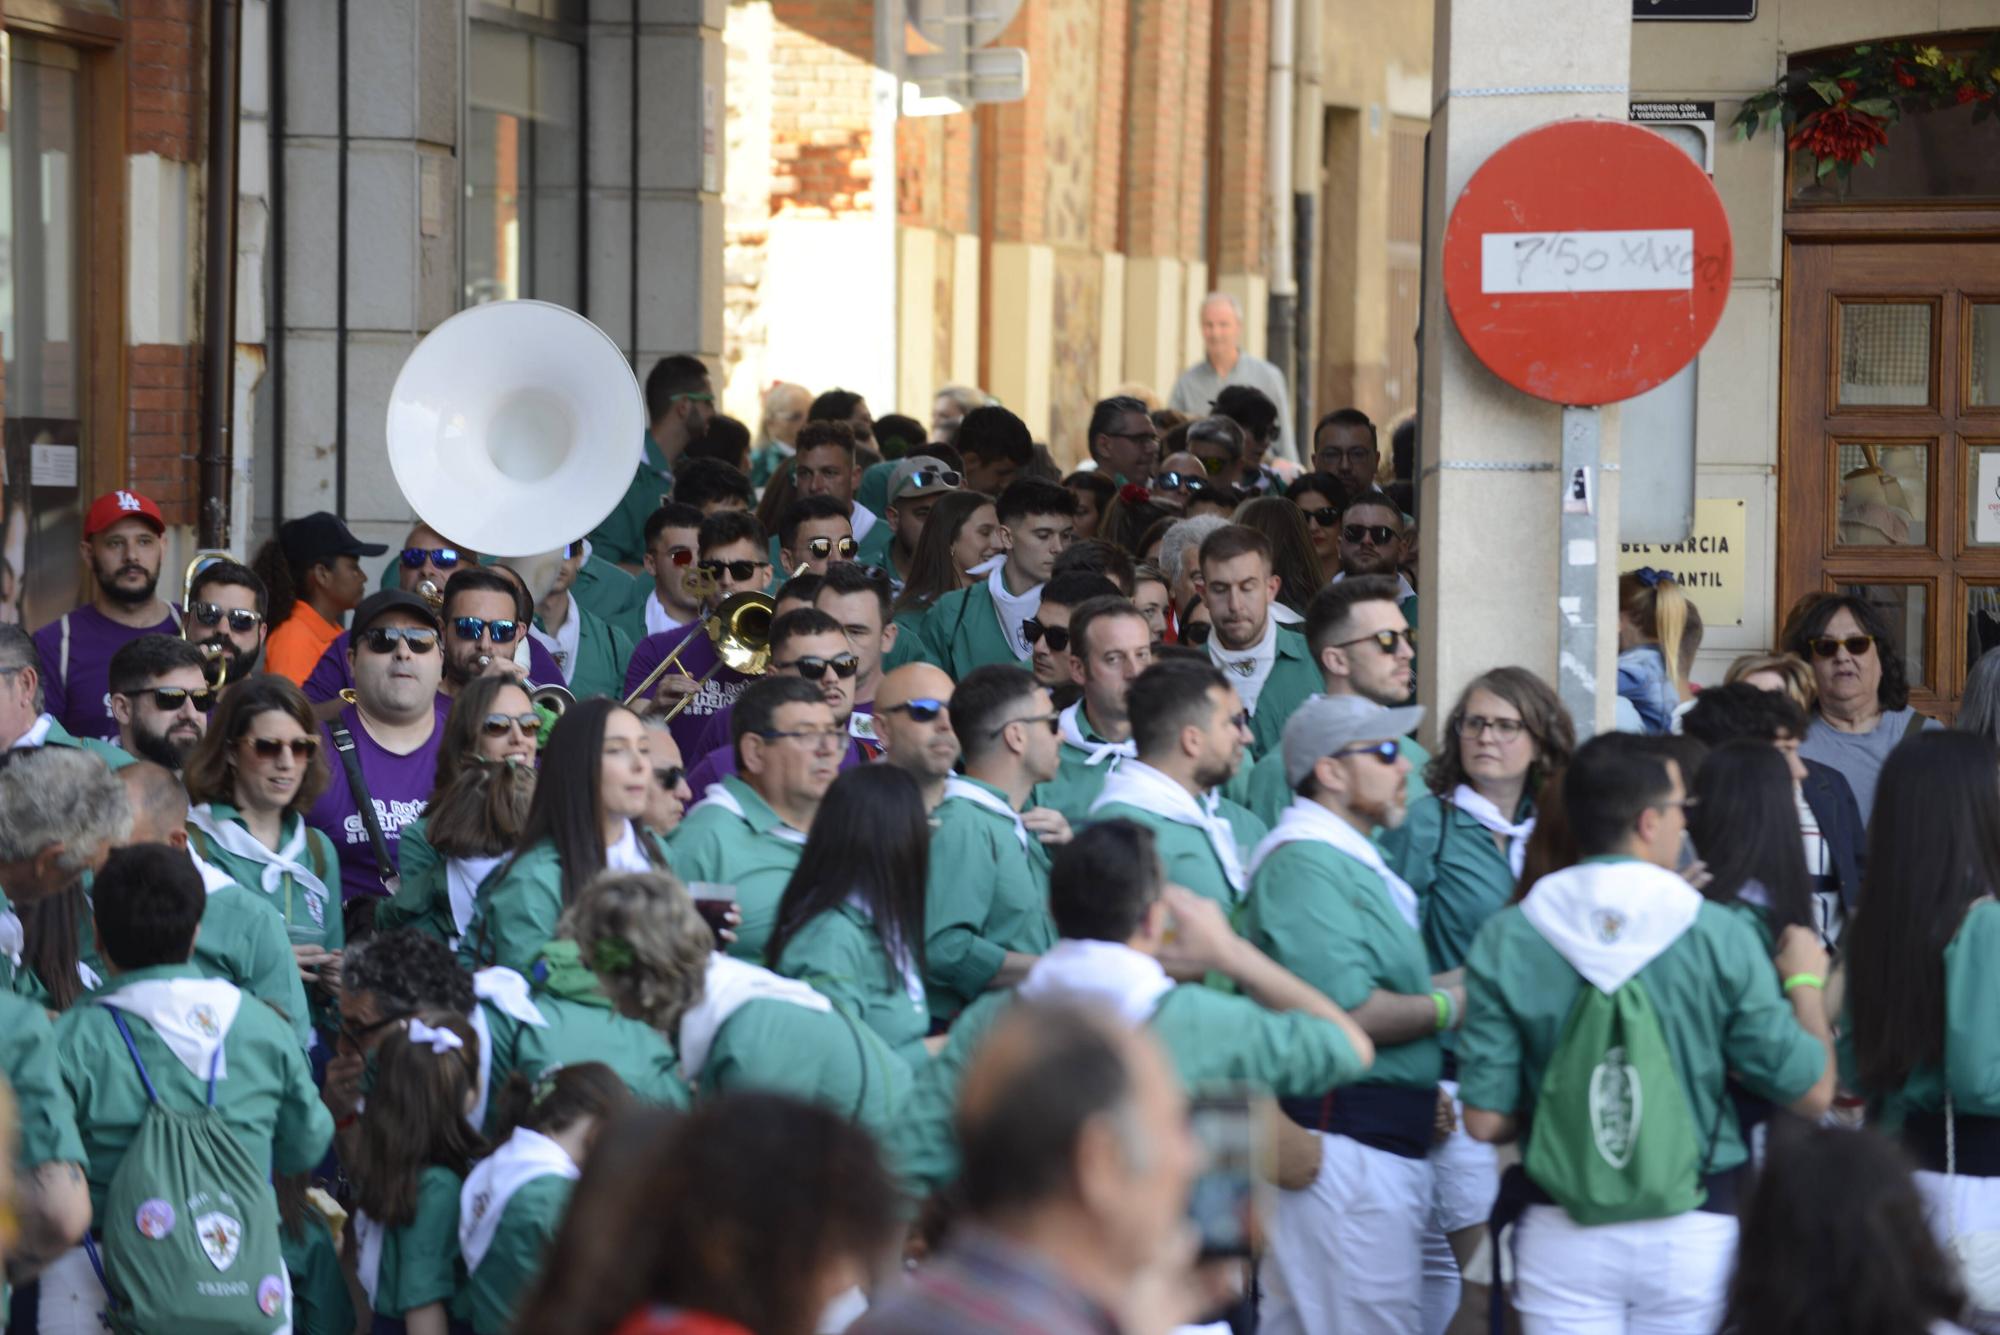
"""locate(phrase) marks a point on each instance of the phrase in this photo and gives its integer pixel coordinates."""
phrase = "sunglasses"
(241, 619)
(496, 725)
(821, 548)
(1379, 534)
(1172, 481)
(169, 699)
(1385, 640)
(1053, 720)
(920, 711)
(933, 477)
(1826, 646)
(670, 777)
(680, 556)
(1057, 636)
(1210, 491)
(270, 748)
(444, 558)
(1196, 633)
(1325, 516)
(384, 639)
(1386, 752)
(471, 628)
(813, 668)
(736, 570)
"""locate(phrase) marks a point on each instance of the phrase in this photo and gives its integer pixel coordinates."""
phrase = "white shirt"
(658, 622)
(562, 644)
(1248, 669)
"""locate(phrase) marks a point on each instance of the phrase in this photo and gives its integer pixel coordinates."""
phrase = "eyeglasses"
(1172, 481)
(813, 668)
(1379, 534)
(821, 548)
(497, 725)
(1057, 636)
(736, 570)
(1386, 752)
(1053, 720)
(242, 620)
(444, 558)
(358, 1034)
(920, 711)
(270, 748)
(1506, 729)
(1826, 646)
(384, 639)
(1385, 640)
(1325, 516)
(1149, 437)
(169, 699)
(471, 628)
(694, 397)
(816, 738)
(1196, 633)
(1359, 454)
(670, 777)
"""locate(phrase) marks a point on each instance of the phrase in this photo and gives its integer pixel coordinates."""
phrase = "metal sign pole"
(1576, 593)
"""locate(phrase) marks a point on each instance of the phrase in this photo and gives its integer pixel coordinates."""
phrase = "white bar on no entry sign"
(1660, 260)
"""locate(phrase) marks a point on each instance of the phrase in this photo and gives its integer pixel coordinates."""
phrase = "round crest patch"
(155, 1219)
(270, 1295)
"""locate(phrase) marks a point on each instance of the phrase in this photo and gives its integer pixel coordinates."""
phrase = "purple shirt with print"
(399, 785)
(715, 696)
(332, 674)
(77, 686)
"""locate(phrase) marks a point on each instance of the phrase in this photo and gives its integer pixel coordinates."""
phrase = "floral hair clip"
(1134, 494)
(613, 955)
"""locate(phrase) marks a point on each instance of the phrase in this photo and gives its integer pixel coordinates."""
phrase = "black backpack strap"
(343, 742)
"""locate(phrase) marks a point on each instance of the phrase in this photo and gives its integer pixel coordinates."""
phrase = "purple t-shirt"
(715, 696)
(77, 686)
(399, 785)
(720, 762)
(332, 675)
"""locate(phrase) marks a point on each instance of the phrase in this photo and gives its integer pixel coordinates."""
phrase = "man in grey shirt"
(1225, 363)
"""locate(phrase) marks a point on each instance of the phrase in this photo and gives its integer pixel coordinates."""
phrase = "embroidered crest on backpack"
(221, 1238)
(1616, 1105)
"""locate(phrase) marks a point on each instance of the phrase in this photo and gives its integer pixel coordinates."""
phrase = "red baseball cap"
(113, 506)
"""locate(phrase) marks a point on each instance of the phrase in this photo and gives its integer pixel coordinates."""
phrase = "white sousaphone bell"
(514, 429)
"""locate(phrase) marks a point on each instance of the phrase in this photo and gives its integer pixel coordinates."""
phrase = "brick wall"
(1241, 90)
(163, 425)
(822, 60)
(1166, 98)
(163, 74)
(1019, 137)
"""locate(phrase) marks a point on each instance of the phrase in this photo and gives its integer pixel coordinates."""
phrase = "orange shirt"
(295, 648)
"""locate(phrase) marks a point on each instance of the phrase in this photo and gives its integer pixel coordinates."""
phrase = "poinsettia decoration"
(1837, 110)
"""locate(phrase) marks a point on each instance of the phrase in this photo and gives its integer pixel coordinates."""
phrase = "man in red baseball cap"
(122, 548)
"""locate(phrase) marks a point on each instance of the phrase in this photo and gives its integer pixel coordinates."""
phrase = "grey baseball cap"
(1328, 723)
(921, 475)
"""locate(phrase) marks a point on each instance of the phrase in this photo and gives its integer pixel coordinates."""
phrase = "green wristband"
(1804, 980)
(1445, 1009)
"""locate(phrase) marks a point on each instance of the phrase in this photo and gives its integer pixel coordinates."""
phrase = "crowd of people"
(1041, 918)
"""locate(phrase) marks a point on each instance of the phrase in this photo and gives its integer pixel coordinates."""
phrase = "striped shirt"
(985, 1284)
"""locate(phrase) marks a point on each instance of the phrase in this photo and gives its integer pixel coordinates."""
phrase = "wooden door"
(1890, 466)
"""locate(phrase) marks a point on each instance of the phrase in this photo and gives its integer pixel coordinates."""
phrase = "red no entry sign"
(1587, 261)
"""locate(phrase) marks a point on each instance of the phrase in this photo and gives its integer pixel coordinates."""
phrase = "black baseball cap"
(383, 601)
(321, 536)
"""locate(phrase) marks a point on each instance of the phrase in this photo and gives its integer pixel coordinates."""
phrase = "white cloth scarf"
(1307, 821)
(979, 797)
(1248, 669)
(1285, 616)
(1137, 784)
(1095, 753)
(900, 955)
(1013, 609)
(507, 992)
(562, 641)
(1611, 919)
(462, 877)
(731, 985)
(658, 622)
(861, 519)
(234, 838)
(368, 1261)
(1515, 833)
(1098, 973)
(722, 797)
(626, 854)
(192, 1016)
(213, 878)
(36, 735)
(493, 1181)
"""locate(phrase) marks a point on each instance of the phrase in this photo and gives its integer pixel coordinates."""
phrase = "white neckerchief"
(13, 936)
(905, 962)
(493, 1181)
(88, 977)
(732, 984)
(1307, 821)
(861, 519)
(192, 1016)
(36, 735)
(1098, 973)
(1285, 616)
(507, 992)
(234, 838)
(979, 797)
(1466, 799)
(561, 642)
(626, 854)
(1611, 919)
(368, 1264)
(462, 877)
(1094, 753)
(722, 797)
(213, 878)
(1013, 609)
(1248, 669)
(1137, 784)
(657, 620)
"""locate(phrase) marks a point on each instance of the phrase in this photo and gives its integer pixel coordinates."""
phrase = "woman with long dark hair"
(963, 532)
(851, 922)
(477, 808)
(585, 818)
(1293, 559)
(1922, 989)
(1744, 820)
(1320, 498)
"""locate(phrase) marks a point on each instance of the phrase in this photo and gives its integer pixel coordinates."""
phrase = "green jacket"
(1077, 782)
(621, 538)
(748, 847)
(987, 894)
(1189, 857)
(321, 1304)
(962, 631)
(909, 646)
(826, 1057)
(420, 1261)
(42, 1106)
(604, 589)
(1295, 679)
(494, 1291)
(602, 650)
(422, 899)
(116, 757)
(518, 906)
(1459, 872)
(840, 955)
(1269, 795)
(1971, 1043)
(242, 941)
(310, 919)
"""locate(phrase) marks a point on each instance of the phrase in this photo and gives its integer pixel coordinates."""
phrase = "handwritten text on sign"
(1661, 260)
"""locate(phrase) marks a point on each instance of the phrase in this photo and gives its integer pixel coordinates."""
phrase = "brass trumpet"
(214, 663)
(741, 629)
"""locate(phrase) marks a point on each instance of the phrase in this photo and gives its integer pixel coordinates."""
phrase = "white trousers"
(1651, 1277)
(72, 1300)
(1964, 1205)
(1347, 1252)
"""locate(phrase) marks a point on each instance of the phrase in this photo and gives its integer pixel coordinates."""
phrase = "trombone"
(214, 662)
(741, 628)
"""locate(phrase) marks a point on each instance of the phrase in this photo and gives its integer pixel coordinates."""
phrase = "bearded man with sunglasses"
(1371, 543)
(161, 697)
(808, 644)
(226, 607)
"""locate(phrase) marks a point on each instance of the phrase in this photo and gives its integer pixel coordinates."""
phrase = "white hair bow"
(440, 1041)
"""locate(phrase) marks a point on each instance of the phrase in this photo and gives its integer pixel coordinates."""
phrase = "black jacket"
(1839, 816)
